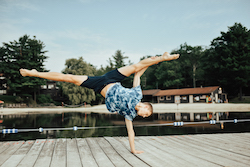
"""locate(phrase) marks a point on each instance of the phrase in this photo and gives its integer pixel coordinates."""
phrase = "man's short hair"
(150, 107)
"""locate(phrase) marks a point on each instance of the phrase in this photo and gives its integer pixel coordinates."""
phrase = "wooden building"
(53, 90)
(148, 95)
(3, 84)
(187, 95)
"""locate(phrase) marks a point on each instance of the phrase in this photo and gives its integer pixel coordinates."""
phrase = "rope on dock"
(178, 124)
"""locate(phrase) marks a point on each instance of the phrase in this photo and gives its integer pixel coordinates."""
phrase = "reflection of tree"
(98, 120)
(64, 120)
(89, 120)
(80, 120)
(21, 122)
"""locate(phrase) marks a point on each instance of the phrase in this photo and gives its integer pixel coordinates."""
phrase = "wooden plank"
(151, 155)
(242, 137)
(237, 136)
(1, 145)
(230, 145)
(44, 159)
(182, 151)
(199, 151)
(13, 161)
(17, 157)
(125, 153)
(247, 134)
(7, 153)
(178, 157)
(99, 155)
(85, 153)
(32, 155)
(116, 159)
(59, 154)
(221, 149)
(24, 149)
(233, 140)
(73, 158)
(227, 138)
(4, 146)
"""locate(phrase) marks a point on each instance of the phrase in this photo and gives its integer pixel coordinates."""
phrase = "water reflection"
(33, 121)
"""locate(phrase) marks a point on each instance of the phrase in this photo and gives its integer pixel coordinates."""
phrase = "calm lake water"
(69, 119)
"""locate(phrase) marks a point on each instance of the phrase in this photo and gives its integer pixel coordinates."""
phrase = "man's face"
(144, 112)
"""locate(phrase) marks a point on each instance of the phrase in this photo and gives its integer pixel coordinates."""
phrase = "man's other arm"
(137, 77)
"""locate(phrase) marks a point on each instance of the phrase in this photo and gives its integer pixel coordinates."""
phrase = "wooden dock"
(183, 150)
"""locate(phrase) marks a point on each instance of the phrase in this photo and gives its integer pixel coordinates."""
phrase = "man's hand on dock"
(137, 152)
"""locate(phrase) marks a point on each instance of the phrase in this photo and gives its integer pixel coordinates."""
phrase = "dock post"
(177, 116)
(217, 116)
(192, 116)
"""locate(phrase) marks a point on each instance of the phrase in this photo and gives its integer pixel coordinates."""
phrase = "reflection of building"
(187, 95)
(3, 85)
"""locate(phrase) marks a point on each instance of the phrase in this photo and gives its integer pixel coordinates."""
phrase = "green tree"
(168, 75)
(229, 59)
(116, 61)
(119, 59)
(191, 64)
(195, 61)
(78, 94)
(24, 53)
(148, 79)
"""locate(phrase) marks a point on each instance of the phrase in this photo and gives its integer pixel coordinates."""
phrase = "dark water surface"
(69, 119)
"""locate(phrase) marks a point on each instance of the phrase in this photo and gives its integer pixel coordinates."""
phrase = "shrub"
(44, 99)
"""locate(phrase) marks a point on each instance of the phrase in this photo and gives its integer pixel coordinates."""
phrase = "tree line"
(225, 63)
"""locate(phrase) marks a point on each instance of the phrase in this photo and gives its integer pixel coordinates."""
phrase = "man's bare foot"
(167, 57)
(30, 73)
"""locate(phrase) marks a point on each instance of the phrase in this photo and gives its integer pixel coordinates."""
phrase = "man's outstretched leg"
(75, 79)
(79, 79)
(128, 70)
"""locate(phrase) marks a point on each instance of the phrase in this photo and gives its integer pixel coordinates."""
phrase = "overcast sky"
(95, 29)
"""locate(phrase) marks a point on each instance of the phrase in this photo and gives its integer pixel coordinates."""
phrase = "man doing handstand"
(127, 102)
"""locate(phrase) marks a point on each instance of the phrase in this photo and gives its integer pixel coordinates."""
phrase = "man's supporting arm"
(131, 136)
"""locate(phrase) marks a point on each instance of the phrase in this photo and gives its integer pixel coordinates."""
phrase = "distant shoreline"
(158, 108)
